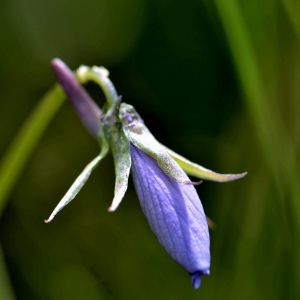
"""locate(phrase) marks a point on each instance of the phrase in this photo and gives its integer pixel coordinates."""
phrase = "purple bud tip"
(196, 278)
(86, 108)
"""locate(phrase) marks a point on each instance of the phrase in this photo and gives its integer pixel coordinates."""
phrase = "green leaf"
(198, 171)
(120, 148)
(81, 179)
(138, 134)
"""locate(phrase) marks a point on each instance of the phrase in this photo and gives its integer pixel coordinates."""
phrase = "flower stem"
(100, 76)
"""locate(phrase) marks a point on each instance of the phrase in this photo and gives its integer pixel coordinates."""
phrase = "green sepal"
(120, 148)
(200, 172)
(81, 179)
(139, 135)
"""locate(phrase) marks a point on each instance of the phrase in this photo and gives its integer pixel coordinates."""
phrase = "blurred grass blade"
(293, 11)
(80, 181)
(198, 171)
(19, 152)
(274, 136)
(6, 290)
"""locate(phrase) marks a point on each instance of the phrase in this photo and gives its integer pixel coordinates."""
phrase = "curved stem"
(100, 76)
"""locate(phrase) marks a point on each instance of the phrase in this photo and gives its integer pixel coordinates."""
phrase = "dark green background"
(186, 67)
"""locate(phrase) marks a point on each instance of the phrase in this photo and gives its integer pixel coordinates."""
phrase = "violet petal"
(86, 108)
(174, 213)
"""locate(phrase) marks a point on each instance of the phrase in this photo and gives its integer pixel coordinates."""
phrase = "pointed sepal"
(120, 148)
(140, 136)
(200, 172)
(80, 181)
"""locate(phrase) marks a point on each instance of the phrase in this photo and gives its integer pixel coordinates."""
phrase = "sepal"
(200, 172)
(140, 136)
(81, 180)
(120, 148)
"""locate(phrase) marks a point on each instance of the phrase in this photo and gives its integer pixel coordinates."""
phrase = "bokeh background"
(216, 81)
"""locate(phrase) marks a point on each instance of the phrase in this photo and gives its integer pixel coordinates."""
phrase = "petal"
(174, 213)
(86, 108)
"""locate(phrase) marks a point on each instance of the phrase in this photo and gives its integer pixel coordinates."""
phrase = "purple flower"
(174, 213)
(167, 196)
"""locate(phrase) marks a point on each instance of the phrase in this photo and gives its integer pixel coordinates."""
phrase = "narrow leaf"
(198, 171)
(80, 181)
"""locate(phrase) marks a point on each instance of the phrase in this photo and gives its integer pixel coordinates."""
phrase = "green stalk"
(21, 148)
(100, 76)
(274, 137)
(6, 290)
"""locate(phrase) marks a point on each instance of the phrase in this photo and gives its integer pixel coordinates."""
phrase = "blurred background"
(216, 81)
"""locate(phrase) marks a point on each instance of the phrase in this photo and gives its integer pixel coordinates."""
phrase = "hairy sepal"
(120, 148)
(140, 136)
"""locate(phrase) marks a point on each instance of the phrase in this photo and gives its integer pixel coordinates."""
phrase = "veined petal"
(86, 108)
(174, 213)
(198, 171)
(80, 181)
(139, 135)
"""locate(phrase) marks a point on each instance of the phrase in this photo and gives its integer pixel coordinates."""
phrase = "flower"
(174, 213)
(167, 197)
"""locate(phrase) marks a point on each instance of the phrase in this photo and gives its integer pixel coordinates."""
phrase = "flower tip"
(196, 278)
(59, 67)
(62, 72)
(57, 62)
